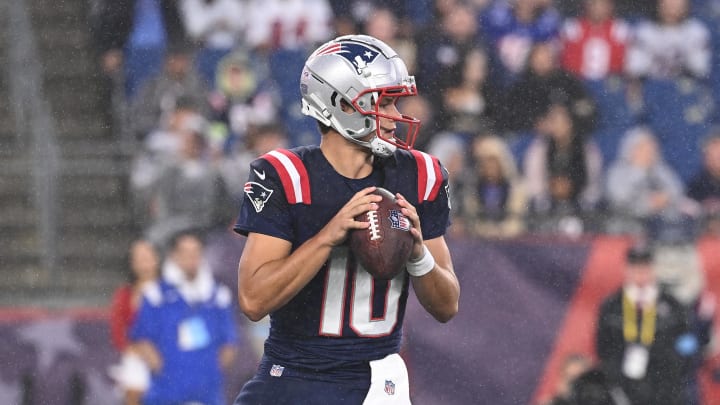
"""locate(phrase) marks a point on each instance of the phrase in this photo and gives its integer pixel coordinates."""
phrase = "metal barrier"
(35, 127)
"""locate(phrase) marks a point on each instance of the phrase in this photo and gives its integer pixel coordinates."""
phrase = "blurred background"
(571, 130)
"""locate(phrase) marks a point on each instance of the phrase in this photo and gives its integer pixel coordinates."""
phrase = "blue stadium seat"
(285, 67)
(519, 144)
(680, 112)
(615, 114)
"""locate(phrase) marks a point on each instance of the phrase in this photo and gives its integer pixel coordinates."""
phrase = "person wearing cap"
(643, 338)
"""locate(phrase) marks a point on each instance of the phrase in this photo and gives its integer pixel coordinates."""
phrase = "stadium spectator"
(244, 98)
(420, 108)
(563, 172)
(288, 24)
(593, 46)
(705, 185)
(542, 84)
(492, 201)
(143, 270)
(511, 27)
(642, 339)
(132, 36)
(185, 329)
(189, 192)
(383, 24)
(471, 104)
(452, 148)
(235, 167)
(645, 194)
(441, 58)
(673, 45)
(158, 150)
(216, 25)
(159, 96)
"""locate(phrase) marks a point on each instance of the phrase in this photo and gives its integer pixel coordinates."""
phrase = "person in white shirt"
(673, 45)
(218, 26)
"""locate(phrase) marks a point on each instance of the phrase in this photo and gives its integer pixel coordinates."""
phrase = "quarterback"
(335, 330)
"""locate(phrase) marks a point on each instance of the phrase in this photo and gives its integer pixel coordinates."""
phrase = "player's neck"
(349, 160)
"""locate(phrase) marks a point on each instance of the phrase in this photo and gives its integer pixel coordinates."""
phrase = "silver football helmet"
(359, 70)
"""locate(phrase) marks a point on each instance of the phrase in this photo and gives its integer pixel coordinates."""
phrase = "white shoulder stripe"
(292, 172)
(431, 179)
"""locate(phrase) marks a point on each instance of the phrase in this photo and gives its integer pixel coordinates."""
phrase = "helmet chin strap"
(378, 146)
(381, 147)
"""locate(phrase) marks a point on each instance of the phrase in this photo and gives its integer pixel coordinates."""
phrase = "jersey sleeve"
(432, 194)
(265, 208)
(435, 213)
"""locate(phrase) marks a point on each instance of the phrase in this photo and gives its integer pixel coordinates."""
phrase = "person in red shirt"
(593, 45)
(144, 265)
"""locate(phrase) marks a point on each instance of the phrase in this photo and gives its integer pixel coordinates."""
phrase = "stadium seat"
(680, 112)
(519, 144)
(615, 114)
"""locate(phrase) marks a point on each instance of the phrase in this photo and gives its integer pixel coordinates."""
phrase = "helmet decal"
(360, 55)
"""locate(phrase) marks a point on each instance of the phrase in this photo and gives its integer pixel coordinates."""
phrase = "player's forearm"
(273, 284)
(438, 292)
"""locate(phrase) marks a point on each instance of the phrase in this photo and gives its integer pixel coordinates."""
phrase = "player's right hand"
(335, 231)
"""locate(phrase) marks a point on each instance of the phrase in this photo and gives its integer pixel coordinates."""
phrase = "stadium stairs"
(92, 213)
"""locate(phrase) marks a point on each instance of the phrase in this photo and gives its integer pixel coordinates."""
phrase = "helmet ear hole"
(367, 123)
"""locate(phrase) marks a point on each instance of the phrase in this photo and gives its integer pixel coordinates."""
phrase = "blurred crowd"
(551, 116)
(569, 117)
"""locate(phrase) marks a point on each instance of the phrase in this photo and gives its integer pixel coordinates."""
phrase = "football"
(383, 248)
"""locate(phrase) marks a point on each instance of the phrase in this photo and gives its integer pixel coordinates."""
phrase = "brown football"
(384, 247)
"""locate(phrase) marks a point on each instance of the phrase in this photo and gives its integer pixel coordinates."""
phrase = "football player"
(335, 331)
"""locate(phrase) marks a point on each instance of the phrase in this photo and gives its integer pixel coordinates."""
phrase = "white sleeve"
(259, 25)
(234, 15)
(639, 55)
(697, 51)
(319, 16)
(195, 17)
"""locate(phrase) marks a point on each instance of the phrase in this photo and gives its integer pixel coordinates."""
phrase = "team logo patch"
(258, 194)
(358, 54)
(389, 387)
(399, 221)
(447, 193)
(276, 370)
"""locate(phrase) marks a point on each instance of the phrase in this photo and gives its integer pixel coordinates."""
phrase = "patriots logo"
(258, 194)
(399, 221)
(358, 54)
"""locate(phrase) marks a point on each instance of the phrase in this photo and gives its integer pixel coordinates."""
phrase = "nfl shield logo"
(389, 387)
(399, 221)
(276, 370)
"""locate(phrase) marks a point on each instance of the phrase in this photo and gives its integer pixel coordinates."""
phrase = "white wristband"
(421, 266)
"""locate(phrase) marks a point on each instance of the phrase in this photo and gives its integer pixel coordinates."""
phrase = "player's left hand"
(411, 213)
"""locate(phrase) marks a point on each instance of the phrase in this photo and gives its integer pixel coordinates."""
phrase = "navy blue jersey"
(342, 317)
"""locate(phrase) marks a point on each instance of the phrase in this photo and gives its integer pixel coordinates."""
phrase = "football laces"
(374, 225)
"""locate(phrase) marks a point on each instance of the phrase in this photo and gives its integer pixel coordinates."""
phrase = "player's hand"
(409, 211)
(337, 229)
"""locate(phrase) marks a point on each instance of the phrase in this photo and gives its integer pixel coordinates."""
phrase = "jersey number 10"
(362, 293)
